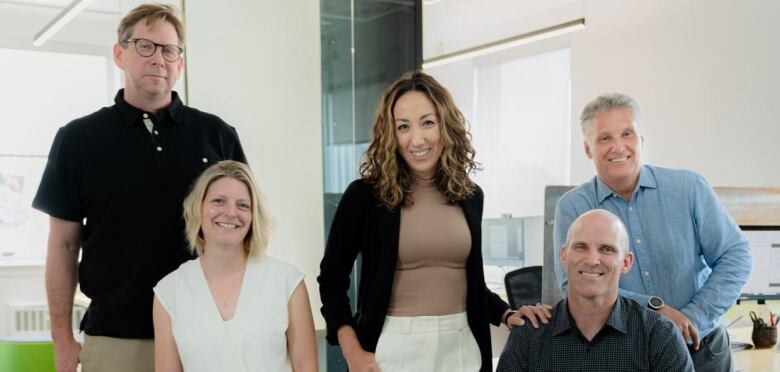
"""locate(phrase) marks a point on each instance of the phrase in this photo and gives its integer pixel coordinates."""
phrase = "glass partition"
(365, 45)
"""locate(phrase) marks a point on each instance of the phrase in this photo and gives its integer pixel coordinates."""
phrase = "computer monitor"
(764, 282)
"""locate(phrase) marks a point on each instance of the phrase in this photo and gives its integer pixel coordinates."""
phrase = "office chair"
(524, 286)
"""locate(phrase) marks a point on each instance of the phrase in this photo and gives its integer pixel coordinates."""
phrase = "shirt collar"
(646, 179)
(618, 317)
(131, 115)
(563, 321)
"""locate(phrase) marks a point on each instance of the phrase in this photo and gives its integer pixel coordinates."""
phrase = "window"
(517, 103)
(41, 91)
(521, 131)
(518, 111)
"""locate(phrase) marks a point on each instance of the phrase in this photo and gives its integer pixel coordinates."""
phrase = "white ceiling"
(98, 6)
(453, 25)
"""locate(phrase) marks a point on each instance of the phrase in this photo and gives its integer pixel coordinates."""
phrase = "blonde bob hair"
(386, 169)
(256, 239)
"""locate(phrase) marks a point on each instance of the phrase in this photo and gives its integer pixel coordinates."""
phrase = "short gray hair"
(607, 102)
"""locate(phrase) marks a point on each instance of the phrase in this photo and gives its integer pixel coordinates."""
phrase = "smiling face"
(595, 255)
(614, 145)
(418, 133)
(149, 79)
(226, 214)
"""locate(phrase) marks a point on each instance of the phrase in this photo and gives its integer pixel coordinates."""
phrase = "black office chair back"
(524, 286)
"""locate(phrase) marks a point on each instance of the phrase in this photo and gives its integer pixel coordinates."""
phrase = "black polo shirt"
(125, 181)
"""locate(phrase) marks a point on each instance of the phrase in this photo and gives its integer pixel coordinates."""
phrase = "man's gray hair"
(607, 102)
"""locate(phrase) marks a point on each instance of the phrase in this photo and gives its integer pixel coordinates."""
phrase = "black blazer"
(363, 225)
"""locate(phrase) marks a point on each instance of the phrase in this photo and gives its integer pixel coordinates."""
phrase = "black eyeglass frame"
(162, 47)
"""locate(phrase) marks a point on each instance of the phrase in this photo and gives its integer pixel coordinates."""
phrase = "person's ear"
(628, 261)
(586, 146)
(118, 53)
(563, 255)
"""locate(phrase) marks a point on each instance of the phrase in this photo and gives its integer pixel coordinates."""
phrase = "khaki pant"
(99, 354)
(427, 344)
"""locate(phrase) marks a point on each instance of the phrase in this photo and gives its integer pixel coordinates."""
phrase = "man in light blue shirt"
(691, 259)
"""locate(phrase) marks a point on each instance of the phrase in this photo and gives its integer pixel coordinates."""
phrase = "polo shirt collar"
(646, 180)
(618, 317)
(564, 322)
(131, 115)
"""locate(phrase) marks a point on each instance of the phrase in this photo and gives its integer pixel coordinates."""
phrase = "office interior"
(299, 80)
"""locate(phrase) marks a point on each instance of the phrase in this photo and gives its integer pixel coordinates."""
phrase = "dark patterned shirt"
(633, 339)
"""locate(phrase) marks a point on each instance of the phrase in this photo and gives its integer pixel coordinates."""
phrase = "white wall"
(257, 65)
(705, 73)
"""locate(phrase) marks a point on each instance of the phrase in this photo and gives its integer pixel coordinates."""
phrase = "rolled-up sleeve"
(726, 252)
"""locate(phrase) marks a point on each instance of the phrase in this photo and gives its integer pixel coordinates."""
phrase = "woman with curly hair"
(414, 217)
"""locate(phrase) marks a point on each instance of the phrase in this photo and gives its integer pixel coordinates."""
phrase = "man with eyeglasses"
(113, 186)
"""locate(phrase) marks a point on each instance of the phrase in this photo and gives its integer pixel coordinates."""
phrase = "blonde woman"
(233, 308)
(414, 217)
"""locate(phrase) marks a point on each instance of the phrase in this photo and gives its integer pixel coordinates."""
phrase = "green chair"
(26, 355)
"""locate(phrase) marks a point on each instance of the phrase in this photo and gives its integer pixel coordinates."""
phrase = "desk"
(753, 359)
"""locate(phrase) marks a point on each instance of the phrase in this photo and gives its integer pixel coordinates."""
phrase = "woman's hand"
(362, 361)
(358, 359)
(534, 314)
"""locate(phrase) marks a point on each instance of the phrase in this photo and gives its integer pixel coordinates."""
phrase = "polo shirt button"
(205, 160)
(156, 133)
(146, 116)
(639, 241)
(630, 208)
(647, 273)
(159, 148)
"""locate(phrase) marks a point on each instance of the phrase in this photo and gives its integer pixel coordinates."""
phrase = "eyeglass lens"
(146, 48)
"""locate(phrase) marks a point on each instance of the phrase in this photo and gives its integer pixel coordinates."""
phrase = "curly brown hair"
(388, 172)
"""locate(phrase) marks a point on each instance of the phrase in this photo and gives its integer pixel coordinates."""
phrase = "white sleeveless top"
(253, 340)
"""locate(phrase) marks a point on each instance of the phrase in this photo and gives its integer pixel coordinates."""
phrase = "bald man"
(594, 328)
(691, 258)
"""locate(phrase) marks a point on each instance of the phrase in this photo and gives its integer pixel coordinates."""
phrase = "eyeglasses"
(146, 48)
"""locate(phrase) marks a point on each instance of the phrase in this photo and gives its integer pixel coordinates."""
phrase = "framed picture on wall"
(23, 230)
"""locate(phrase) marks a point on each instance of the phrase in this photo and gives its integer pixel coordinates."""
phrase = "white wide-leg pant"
(427, 344)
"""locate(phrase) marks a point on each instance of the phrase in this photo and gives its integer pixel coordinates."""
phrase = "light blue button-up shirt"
(688, 250)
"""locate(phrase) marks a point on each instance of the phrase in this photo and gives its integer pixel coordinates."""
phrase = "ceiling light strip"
(511, 42)
(56, 24)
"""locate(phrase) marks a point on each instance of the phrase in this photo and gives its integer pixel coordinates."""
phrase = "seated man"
(593, 328)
